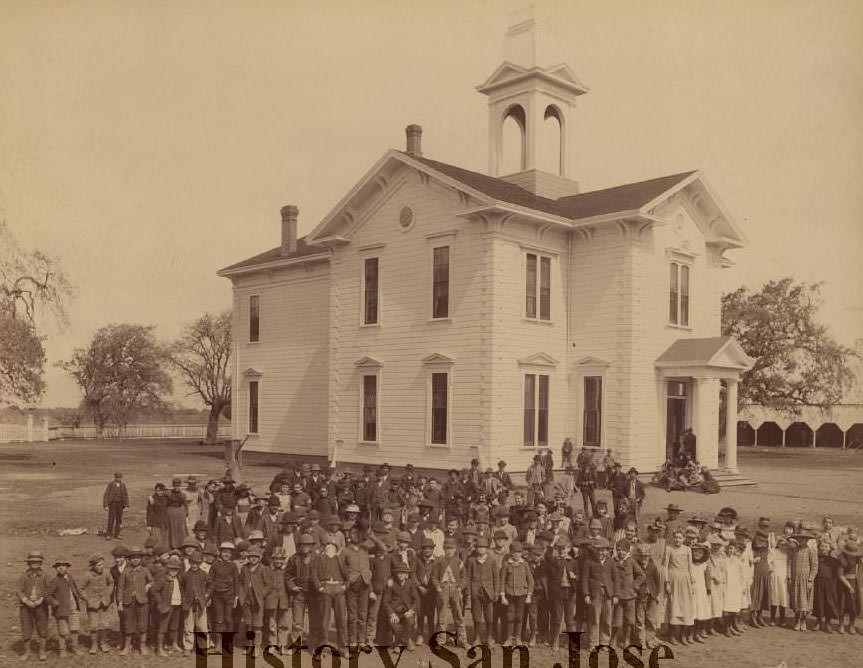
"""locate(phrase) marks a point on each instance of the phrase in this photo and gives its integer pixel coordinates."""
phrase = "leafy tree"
(30, 282)
(120, 374)
(796, 360)
(202, 356)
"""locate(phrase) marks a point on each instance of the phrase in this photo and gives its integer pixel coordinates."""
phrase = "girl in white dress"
(677, 569)
(717, 573)
(700, 588)
(733, 589)
(778, 559)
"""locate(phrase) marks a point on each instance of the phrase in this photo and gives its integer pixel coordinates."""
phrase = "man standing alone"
(115, 501)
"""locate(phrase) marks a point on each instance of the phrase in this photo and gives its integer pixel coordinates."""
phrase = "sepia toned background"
(149, 144)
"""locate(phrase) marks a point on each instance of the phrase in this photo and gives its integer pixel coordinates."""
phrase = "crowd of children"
(335, 558)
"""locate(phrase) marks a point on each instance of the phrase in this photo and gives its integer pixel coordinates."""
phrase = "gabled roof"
(275, 255)
(721, 351)
(628, 197)
(631, 199)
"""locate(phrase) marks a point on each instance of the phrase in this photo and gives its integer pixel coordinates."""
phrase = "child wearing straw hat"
(64, 599)
(700, 591)
(97, 588)
(804, 568)
(32, 590)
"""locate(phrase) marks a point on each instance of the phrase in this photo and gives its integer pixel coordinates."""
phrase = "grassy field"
(50, 486)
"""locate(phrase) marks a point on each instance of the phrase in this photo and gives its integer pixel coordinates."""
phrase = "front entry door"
(676, 416)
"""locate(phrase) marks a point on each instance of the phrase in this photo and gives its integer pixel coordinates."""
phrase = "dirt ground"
(50, 486)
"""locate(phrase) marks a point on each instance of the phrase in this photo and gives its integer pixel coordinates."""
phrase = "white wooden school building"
(438, 314)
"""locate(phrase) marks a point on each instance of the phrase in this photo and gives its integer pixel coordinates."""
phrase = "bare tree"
(202, 356)
(29, 281)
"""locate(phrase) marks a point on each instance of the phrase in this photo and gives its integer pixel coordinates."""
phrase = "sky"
(147, 145)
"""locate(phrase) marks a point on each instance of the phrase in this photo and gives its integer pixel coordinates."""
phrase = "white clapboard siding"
(291, 357)
(406, 334)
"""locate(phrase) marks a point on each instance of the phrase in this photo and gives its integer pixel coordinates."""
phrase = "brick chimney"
(414, 140)
(289, 229)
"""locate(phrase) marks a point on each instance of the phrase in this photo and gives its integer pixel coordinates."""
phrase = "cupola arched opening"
(514, 139)
(551, 156)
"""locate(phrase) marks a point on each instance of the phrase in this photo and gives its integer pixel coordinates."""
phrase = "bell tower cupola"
(533, 86)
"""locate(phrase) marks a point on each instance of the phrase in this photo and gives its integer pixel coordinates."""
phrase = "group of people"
(322, 557)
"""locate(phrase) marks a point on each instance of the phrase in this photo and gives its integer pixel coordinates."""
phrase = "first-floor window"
(370, 408)
(253, 407)
(439, 408)
(536, 403)
(592, 416)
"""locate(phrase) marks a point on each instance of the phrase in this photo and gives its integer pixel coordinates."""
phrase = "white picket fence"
(28, 433)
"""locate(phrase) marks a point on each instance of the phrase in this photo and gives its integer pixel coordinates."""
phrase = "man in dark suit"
(598, 586)
(483, 579)
(631, 489)
(115, 500)
(400, 605)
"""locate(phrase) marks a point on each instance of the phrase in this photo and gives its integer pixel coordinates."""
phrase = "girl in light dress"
(677, 569)
(747, 566)
(717, 573)
(778, 557)
(760, 590)
(734, 585)
(701, 591)
(803, 563)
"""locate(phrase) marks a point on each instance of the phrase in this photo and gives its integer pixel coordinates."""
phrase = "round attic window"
(406, 218)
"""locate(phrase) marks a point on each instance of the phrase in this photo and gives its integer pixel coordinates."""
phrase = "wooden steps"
(727, 478)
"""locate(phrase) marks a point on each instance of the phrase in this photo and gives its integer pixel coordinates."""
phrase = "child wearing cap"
(483, 588)
(222, 589)
(33, 608)
(132, 602)
(278, 618)
(97, 587)
(647, 592)
(400, 604)
(422, 572)
(194, 582)
(167, 593)
(627, 579)
(448, 582)
(516, 579)
(298, 582)
(257, 585)
(64, 599)
(598, 592)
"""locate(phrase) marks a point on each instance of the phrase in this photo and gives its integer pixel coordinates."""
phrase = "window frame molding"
(250, 376)
(434, 247)
(371, 252)
(540, 254)
(585, 368)
(369, 366)
(249, 340)
(679, 258)
(537, 364)
(432, 364)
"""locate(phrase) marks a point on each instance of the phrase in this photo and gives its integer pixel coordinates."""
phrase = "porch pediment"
(368, 363)
(718, 355)
(252, 372)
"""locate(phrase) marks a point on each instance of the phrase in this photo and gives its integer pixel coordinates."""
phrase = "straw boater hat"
(700, 552)
(852, 548)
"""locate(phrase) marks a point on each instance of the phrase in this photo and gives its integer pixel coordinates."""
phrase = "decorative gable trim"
(438, 358)
(252, 372)
(591, 361)
(538, 359)
(368, 363)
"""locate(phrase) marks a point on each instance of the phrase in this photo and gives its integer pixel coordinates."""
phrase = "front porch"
(691, 374)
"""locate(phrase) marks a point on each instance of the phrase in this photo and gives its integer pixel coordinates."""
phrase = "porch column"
(706, 421)
(731, 426)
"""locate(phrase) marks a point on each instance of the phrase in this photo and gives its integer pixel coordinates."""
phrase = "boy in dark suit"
(483, 579)
(168, 595)
(598, 585)
(133, 603)
(400, 604)
(115, 500)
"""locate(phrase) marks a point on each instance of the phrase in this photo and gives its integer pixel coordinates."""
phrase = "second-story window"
(440, 283)
(678, 295)
(254, 318)
(537, 287)
(370, 291)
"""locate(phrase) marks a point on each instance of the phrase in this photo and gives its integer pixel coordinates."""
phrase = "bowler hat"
(120, 551)
(196, 557)
(227, 545)
(403, 537)
(189, 541)
(401, 567)
(673, 507)
(62, 562)
(174, 562)
(305, 539)
(255, 550)
(136, 552)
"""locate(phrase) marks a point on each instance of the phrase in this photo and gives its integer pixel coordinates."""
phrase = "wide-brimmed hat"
(728, 511)
(95, 559)
(673, 507)
(135, 552)
(306, 539)
(174, 562)
(62, 562)
(852, 548)
(697, 519)
(227, 545)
